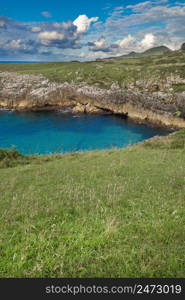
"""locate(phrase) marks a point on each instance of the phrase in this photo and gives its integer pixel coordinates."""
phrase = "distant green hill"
(150, 52)
(156, 51)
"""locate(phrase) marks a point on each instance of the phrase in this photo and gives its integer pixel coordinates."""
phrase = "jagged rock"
(114, 86)
(154, 88)
(92, 109)
(86, 108)
(35, 91)
(79, 108)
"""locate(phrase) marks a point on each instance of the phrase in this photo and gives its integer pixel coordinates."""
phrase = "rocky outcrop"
(147, 104)
(86, 108)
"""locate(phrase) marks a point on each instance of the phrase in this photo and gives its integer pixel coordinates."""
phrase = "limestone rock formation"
(143, 100)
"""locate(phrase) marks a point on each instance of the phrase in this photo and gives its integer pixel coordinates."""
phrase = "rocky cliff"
(143, 101)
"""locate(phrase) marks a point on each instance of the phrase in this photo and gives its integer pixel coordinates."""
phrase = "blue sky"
(85, 30)
(60, 10)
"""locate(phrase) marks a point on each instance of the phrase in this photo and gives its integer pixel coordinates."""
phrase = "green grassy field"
(116, 213)
(103, 73)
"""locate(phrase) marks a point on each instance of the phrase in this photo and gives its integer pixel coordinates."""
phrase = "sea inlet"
(45, 132)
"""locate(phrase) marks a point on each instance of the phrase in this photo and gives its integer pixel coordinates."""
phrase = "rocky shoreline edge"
(149, 105)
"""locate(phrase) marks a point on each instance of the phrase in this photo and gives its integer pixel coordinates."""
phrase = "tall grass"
(117, 213)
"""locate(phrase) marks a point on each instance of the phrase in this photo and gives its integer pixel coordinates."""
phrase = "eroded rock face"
(30, 91)
(19, 91)
(79, 108)
(86, 108)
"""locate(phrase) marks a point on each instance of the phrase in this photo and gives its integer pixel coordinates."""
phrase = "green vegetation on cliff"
(105, 72)
(117, 213)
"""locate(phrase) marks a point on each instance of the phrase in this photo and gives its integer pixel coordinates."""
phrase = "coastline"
(35, 92)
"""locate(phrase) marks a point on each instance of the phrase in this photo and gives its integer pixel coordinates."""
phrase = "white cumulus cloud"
(98, 45)
(35, 29)
(124, 45)
(47, 36)
(15, 44)
(83, 23)
(148, 41)
(125, 42)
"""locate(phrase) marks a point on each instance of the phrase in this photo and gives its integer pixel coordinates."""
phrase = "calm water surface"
(50, 132)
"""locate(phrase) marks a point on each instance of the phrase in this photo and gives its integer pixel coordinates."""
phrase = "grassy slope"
(119, 70)
(99, 214)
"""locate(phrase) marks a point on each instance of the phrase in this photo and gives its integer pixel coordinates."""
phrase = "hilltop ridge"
(160, 50)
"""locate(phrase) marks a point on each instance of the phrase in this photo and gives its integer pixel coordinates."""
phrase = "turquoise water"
(44, 132)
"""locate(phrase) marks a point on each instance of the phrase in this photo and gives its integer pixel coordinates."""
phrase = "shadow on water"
(56, 131)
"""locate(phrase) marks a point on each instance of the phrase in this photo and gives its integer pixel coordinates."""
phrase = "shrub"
(9, 154)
